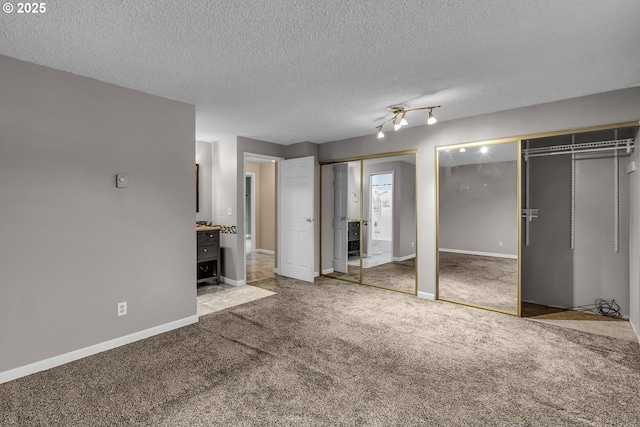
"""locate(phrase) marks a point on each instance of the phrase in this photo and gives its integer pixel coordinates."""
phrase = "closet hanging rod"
(585, 147)
(594, 150)
(593, 147)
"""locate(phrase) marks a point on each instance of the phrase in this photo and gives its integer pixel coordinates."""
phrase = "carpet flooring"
(480, 280)
(333, 353)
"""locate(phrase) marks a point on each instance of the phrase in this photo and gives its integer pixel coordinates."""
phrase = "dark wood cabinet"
(208, 255)
(353, 238)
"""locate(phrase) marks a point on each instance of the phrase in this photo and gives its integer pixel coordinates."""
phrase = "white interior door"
(340, 224)
(297, 222)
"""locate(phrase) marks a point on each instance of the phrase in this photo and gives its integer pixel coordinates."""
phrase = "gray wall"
(593, 110)
(598, 271)
(72, 245)
(479, 208)
(226, 190)
(407, 227)
(203, 158)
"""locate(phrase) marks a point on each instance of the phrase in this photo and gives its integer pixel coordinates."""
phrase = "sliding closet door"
(368, 221)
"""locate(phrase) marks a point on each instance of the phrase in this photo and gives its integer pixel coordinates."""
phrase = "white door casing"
(340, 224)
(297, 222)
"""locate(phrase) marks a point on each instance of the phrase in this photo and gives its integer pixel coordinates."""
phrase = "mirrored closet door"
(368, 225)
(478, 224)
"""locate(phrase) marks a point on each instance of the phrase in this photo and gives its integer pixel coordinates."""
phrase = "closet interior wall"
(553, 274)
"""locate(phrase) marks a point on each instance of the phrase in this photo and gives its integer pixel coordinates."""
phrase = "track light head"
(380, 134)
(404, 121)
(431, 120)
(396, 126)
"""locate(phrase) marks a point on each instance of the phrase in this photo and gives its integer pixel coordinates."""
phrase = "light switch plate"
(229, 211)
(121, 181)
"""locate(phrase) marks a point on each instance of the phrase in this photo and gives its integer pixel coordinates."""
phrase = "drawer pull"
(211, 235)
(204, 250)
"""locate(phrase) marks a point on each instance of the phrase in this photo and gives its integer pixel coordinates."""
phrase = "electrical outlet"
(413, 244)
(229, 211)
(500, 243)
(122, 308)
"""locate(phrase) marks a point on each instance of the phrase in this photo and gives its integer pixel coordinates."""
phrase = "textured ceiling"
(288, 71)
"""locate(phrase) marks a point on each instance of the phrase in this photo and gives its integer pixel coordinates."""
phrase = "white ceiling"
(288, 71)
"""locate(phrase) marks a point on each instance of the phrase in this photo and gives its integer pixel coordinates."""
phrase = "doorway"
(260, 240)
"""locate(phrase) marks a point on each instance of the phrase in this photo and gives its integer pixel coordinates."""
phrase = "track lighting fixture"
(402, 112)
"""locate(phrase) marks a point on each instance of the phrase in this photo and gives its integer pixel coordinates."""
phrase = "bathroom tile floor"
(371, 260)
(225, 296)
(259, 266)
(212, 298)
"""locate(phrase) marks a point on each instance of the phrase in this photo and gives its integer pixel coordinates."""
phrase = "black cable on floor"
(609, 309)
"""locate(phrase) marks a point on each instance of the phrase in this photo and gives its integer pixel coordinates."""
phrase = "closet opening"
(575, 217)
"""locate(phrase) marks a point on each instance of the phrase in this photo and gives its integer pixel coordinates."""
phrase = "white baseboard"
(266, 251)
(316, 274)
(276, 270)
(426, 295)
(635, 330)
(52, 362)
(403, 258)
(327, 271)
(233, 282)
(491, 254)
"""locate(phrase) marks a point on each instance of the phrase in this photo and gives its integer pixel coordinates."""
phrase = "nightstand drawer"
(211, 237)
(207, 252)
